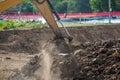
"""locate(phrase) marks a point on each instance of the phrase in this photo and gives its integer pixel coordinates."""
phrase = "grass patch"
(9, 24)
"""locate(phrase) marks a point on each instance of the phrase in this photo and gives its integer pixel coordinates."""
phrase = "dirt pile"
(93, 61)
(23, 41)
(95, 54)
(30, 41)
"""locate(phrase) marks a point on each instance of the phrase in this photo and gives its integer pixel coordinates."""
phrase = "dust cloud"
(47, 72)
(40, 67)
(46, 66)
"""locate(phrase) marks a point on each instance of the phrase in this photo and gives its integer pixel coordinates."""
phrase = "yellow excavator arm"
(6, 4)
(44, 8)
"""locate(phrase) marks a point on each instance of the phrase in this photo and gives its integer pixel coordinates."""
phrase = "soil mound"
(95, 53)
(23, 41)
(30, 41)
(93, 61)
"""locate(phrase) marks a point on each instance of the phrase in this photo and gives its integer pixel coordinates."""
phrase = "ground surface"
(95, 53)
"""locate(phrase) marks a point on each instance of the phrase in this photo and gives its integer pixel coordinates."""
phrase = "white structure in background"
(41, 19)
(102, 21)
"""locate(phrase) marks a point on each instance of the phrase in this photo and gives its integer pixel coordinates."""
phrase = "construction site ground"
(28, 54)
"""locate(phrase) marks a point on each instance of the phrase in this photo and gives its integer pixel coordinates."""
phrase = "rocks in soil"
(93, 61)
(97, 61)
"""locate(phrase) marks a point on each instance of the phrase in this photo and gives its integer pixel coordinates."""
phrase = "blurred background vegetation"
(61, 6)
(71, 6)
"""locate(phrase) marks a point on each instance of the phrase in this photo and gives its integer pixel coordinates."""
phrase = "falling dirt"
(40, 67)
(46, 67)
(30, 55)
(47, 73)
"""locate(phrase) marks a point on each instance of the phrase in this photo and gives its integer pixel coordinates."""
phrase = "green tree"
(102, 5)
(117, 5)
(26, 6)
(77, 6)
(71, 6)
(60, 5)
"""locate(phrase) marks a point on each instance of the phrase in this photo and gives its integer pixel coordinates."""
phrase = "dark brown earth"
(95, 51)
(93, 61)
(27, 40)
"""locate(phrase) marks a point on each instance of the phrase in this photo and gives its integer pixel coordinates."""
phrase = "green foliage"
(82, 6)
(71, 6)
(12, 24)
(102, 5)
(117, 5)
(27, 6)
(61, 6)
